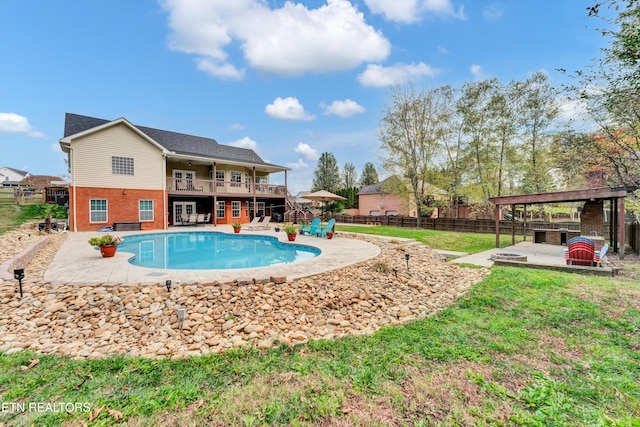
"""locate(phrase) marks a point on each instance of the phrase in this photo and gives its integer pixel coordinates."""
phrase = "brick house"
(121, 172)
(392, 196)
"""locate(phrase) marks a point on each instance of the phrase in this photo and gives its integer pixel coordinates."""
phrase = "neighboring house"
(10, 177)
(122, 172)
(386, 198)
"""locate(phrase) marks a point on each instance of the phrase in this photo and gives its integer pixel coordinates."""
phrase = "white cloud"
(409, 11)
(346, 108)
(476, 70)
(287, 109)
(306, 151)
(377, 75)
(245, 142)
(493, 12)
(299, 164)
(235, 126)
(55, 147)
(289, 40)
(15, 123)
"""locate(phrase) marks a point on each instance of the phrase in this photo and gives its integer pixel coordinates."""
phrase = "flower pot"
(329, 236)
(291, 237)
(236, 229)
(108, 251)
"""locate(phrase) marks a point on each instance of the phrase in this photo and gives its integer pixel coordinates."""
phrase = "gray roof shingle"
(176, 142)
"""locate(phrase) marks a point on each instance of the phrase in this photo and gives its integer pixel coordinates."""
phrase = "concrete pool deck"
(77, 262)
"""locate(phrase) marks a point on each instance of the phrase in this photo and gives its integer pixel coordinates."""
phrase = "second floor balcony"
(207, 187)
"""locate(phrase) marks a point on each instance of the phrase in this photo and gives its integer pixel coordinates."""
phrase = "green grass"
(12, 216)
(445, 240)
(524, 347)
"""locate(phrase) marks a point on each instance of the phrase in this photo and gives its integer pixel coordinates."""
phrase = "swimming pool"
(208, 250)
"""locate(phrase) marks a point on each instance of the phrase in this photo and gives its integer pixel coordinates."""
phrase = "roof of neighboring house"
(178, 143)
(18, 171)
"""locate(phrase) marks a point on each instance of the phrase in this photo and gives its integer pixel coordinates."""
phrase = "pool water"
(212, 250)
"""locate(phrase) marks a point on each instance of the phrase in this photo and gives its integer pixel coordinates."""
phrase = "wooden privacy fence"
(9, 196)
(482, 225)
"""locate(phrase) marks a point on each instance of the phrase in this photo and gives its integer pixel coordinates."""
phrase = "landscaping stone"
(83, 321)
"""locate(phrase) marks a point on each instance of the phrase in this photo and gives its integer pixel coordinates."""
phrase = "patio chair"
(581, 251)
(191, 219)
(264, 225)
(200, 219)
(601, 256)
(311, 228)
(323, 229)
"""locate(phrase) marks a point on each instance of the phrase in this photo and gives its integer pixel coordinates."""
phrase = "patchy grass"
(10, 217)
(524, 347)
(446, 240)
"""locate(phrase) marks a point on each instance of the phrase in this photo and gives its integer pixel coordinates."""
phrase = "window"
(121, 165)
(220, 210)
(235, 209)
(236, 179)
(260, 208)
(146, 210)
(98, 210)
(219, 178)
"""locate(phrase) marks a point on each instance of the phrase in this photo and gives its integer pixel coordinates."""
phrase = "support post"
(497, 217)
(622, 227)
(513, 225)
(524, 223)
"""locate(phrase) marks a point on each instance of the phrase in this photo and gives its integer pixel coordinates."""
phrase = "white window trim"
(152, 211)
(224, 208)
(106, 211)
(235, 183)
(239, 204)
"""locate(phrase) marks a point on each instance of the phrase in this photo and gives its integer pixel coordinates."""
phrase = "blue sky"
(289, 79)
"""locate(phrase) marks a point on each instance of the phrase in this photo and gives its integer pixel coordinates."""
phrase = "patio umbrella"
(323, 195)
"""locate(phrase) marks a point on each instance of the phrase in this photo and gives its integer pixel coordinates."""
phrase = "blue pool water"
(211, 250)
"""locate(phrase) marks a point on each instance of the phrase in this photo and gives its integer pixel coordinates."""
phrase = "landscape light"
(182, 314)
(406, 257)
(18, 274)
(168, 285)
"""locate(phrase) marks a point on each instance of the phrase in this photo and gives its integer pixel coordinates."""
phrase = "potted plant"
(291, 232)
(107, 244)
(236, 227)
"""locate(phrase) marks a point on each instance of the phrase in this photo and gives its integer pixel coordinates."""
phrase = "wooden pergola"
(614, 195)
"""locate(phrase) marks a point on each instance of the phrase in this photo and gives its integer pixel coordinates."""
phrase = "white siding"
(92, 155)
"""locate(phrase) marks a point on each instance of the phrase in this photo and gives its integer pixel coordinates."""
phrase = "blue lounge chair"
(322, 230)
(311, 228)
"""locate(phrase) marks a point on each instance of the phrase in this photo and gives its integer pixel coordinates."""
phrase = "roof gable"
(178, 143)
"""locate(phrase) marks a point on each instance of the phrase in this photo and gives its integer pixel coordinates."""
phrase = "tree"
(327, 174)
(611, 91)
(537, 111)
(369, 175)
(409, 134)
(349, 176)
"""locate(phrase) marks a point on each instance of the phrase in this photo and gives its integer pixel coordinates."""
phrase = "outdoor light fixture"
(406, 257)
(168, 285)
(124, 191)
(18, 274)
(182, 314)
(395, 271)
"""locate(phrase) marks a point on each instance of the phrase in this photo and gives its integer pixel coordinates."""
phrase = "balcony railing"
(206, 187)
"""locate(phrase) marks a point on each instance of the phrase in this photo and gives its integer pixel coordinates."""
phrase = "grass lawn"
(524, 347)
(9, 217)
(461, 242)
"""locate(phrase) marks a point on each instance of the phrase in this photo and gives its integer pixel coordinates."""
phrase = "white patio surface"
(77, 262)
(538, 253)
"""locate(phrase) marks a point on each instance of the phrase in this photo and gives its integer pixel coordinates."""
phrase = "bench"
(127, 226)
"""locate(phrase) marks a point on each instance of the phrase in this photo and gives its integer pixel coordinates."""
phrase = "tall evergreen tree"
(327, 174)
(349, 176)
(369, 175)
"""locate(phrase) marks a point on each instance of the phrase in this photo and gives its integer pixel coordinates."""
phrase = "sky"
(289, 79)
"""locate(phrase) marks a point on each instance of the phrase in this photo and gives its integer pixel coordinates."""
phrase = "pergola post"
(621, 225)
(497, 217)
(513, 225)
